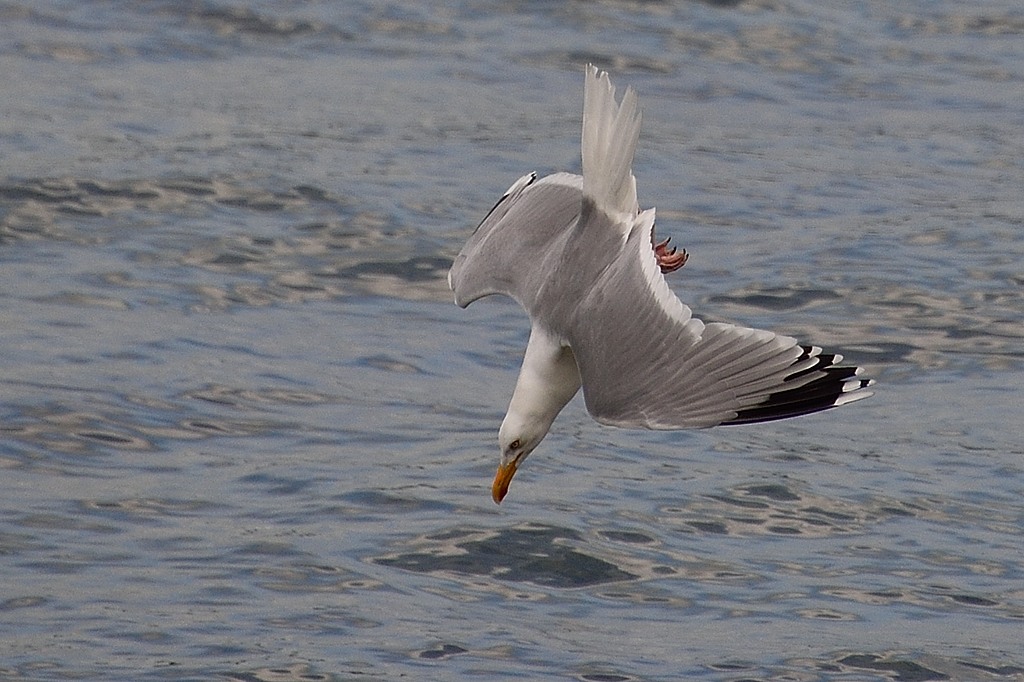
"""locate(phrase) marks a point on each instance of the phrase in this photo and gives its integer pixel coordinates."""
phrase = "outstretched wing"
(646, 362)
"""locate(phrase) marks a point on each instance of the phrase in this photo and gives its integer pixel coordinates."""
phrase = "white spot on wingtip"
(846, 398)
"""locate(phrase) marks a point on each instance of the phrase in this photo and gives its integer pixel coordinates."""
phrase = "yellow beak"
(501, 480)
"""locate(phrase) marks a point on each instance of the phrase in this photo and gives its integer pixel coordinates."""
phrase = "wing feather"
(515, 244)
(644, 362)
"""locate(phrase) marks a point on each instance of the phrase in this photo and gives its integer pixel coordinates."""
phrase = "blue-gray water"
(245, 434)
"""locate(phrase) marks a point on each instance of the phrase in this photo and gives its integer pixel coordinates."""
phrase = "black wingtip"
(835, 385)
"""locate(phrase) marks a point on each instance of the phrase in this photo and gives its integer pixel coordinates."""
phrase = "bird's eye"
(515, 445)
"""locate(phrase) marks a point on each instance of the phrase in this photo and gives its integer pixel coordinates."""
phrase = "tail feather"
(610, 133)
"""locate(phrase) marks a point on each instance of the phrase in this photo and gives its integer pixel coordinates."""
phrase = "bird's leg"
(668, 259)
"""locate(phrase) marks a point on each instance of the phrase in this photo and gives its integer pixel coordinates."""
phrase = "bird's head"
(517, 439)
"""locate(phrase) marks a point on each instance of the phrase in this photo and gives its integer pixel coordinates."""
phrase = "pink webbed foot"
(668, 259)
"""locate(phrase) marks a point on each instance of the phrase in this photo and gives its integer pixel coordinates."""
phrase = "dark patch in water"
(902, 671)
(631, 537)
(972, 600)
(533, 554)
(777, 299)
(779, 493)
(415, 269)
(715, 527)
(605, 677)
(1003, 670)
(443, 651)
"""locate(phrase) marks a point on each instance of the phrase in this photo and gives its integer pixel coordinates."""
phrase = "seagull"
(578, 254)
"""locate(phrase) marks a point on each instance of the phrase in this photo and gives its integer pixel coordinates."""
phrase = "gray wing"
(646, 362)
(519, 243)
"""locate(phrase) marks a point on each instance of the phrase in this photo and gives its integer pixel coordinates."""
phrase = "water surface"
(246, 435)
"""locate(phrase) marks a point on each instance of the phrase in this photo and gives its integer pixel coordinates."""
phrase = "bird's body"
(579, 255)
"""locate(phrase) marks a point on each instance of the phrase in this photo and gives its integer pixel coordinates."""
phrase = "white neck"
(547, 381)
